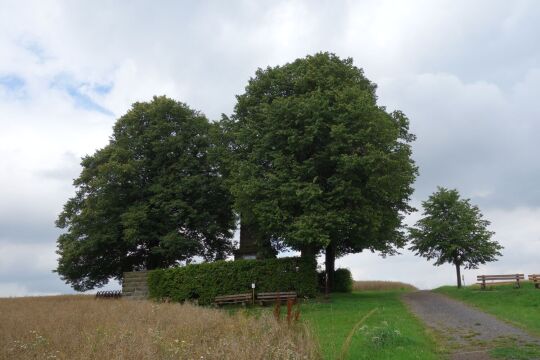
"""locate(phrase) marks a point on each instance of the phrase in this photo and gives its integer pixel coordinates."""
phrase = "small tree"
(453, 231)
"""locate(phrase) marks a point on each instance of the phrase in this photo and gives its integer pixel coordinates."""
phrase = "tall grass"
(381, 285)
(81, 327)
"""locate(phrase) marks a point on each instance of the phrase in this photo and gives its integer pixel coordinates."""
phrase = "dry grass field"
(81, 327)
(381, 285)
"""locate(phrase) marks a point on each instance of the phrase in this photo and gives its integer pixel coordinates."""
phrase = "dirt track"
(468, 331)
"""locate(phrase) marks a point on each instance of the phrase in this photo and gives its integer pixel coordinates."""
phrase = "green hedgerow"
(204, 282)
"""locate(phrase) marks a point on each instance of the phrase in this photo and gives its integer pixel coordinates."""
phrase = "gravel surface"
(469, 331)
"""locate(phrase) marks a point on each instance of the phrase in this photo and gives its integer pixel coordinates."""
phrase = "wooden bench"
(109, 294)
(234, 299)
(276, 296)
(500, 279)
(535, 278)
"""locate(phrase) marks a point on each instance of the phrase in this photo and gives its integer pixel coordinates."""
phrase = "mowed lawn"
(520, 307)
(374, 324)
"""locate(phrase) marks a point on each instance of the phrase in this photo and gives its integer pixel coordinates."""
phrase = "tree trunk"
(330, 264)
(248, 242)
(308, 251)
(458, 273)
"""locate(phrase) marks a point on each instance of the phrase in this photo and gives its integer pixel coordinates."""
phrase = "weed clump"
(384, 335)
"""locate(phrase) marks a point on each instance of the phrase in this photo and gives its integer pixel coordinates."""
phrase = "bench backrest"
(260, 296)
(272, 295)
(233, 297)
(534, 277)
(501, 277)
(109, 293)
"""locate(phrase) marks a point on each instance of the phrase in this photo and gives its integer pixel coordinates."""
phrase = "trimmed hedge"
(343, 281)
(208, 280)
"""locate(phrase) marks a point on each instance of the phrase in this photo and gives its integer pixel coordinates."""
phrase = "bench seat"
(234, 299)
(535, 278)
(276, 296)
(484, 280)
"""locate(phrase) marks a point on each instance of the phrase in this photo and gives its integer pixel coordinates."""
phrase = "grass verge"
(515, 352)
(520, 307)
(368, 325)
(363, 325)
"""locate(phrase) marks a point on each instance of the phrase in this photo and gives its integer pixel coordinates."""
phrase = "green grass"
(388, 332)
(523, 352)
(375, 324)
(520, 307)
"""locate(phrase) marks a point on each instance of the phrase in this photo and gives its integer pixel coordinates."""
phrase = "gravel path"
(468, 331)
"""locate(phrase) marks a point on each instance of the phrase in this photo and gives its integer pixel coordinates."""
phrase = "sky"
(467, 74)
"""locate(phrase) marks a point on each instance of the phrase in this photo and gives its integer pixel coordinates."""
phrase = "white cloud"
(478, 136)
(518, 230)
(13, 290)
(33, 258)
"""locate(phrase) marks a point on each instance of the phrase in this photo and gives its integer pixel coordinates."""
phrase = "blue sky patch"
(103, 89)
(12, 82)
(80, 99)
(35, 49)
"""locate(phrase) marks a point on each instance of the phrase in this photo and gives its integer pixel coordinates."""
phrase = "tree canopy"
(150, 198)
(453, 231)
(317, 163)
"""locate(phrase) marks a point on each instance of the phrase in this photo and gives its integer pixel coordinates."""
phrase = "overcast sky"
(466, 73)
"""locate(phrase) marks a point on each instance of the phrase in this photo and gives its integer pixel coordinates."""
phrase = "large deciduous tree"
(318, 165)
(453, 231)
(150, 198)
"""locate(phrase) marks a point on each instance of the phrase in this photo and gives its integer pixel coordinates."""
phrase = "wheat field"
(381, 285)
(82, 327)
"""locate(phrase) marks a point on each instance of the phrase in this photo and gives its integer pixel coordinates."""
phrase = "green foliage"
(315, 160)
(150, 198)
(208, 280)
(453, 231)
(343, 281)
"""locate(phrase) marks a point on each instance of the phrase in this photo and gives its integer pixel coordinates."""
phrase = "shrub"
(343, 280)
(206, 281)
